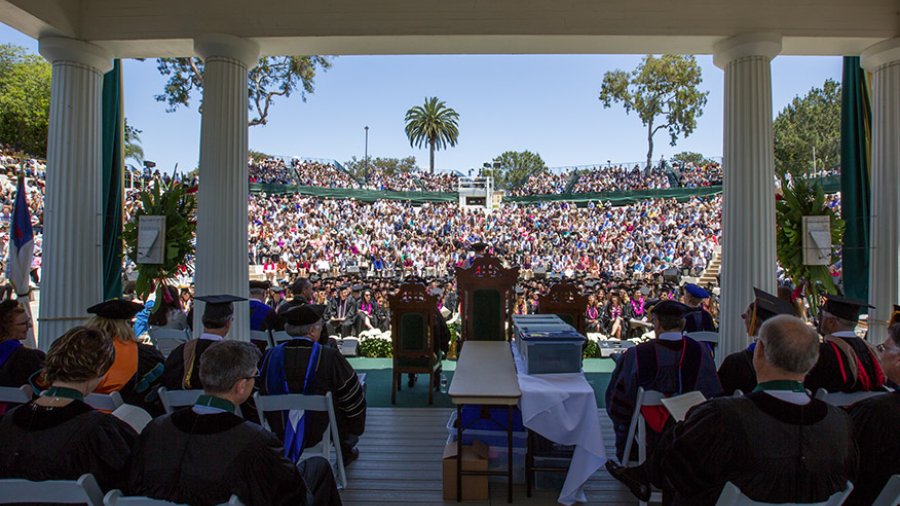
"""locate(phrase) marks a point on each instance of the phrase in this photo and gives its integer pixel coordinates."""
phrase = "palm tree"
(132, 148)
(434, 123)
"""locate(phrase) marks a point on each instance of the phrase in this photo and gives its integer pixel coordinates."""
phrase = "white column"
(748, 214)
(883, 61)
(72, 248)
(222, 205)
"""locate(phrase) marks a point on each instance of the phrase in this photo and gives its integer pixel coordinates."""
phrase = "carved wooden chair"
(487, 296)
(413, 312)
(565, 301)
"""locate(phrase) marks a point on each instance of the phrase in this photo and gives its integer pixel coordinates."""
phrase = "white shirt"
(670, 336)
(210, 337)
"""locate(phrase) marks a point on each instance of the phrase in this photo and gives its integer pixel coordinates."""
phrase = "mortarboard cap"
(313, 278)
(357, 288)
(768, 305)
(277, 288)
(696, 291)
(344, 286)
(259, 285)
(479, 246)
(303, 314)
(670, 308)
(843, 308)
(219, 306)
(116, 309)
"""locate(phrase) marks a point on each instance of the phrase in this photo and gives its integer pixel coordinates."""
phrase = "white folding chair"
(890, 494)
(116, 498)
(317, 403)
(704, 336)
(843, 399)
(167, 340)
(85, 490)
(104, 402)
(174, 399)
(279, 337)
(260, 335)
(638, 428)
(16, 395)
(732, 496)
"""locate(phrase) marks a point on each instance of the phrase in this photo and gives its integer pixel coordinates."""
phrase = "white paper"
(134, 416)
(679, 405)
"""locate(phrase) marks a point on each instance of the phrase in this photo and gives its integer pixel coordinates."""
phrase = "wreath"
(178, 204)
(802, 197)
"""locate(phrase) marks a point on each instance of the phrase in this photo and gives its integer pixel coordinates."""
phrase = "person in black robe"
(776, 444)
(182, 365)
(289, 368)
(58, 436)
(137, 370)
(340, 314)
(846, 362)
(17, 362)
(698, 319)
(875, 424)
(736, 371)
(201, 455)
(672, 363)
(302, 293)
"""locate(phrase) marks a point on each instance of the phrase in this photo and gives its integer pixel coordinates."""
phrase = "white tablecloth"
(563, 409)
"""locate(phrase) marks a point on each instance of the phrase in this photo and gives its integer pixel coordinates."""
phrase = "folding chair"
(261, 336)
(638, 428)
(115, 498)
(174, 399)
(167, 340)
(703, 336)
(316, 403)
(104, 402)
(844, 399)
(732, 496)
(890, 494)
(16, 395)
(85, 490)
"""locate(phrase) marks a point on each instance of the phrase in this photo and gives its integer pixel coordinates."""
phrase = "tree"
(666, 86)
(258, 156)
(387, 166)
(434, 124)
(808, 132)
(274, 76)
(515, 168)
(686, 157)
(24, 99)
(133, 149)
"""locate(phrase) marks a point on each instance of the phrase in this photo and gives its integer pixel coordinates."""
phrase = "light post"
(367, 154)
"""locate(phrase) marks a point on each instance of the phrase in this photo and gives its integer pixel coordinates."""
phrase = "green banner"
(855, 198)
(831, 184)
(113, 140)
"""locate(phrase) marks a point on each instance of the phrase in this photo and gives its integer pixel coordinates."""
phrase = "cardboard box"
(474, 458)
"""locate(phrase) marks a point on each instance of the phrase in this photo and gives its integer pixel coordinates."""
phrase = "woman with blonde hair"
(138, 368)
(58, 436)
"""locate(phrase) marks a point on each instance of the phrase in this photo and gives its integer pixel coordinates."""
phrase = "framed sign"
(816, 240)
(151, 239)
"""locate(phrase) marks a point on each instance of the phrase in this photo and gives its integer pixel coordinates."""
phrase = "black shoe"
(350, 456)
(631, 478)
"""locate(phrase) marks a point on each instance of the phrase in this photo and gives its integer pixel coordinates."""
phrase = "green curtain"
(855, 195)
(113, 140)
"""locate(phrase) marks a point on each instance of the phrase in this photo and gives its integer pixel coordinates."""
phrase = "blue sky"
(543, 103)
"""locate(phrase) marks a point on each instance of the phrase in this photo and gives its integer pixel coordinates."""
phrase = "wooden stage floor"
(400, 463)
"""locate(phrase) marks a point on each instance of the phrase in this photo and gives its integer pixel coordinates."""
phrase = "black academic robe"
(333, 374)
(834, 371)
(204, 459)
(346, 309)
(181, 373)
(875, 423)
(141, 389)
(774, 451)
(63, 443)
(737, 373)
(698, 320)
(20, 366)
